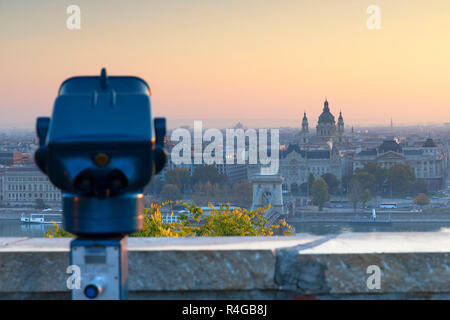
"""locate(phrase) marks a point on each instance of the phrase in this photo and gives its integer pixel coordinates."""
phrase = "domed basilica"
(314, 154)
(327, 130)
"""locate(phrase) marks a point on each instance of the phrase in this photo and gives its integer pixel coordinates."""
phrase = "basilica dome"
(326, 117)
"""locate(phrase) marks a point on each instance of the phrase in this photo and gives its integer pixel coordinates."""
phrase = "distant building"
(296, 164)
(326, 126)
(15, 158)
(429, 162)
(328, 131)
(23, 186)
(2, 170)
(6, 158)
(304, 135)
(314, 154)
(235, 172)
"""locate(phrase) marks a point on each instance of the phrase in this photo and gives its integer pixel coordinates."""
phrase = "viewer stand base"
(103, 268)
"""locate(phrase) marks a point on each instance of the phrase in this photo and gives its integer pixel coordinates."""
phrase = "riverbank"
(296, 220)
(396, 216)
(15, 213)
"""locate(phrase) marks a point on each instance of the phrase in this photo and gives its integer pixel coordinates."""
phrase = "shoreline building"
(429, 161)
(25, 186)
(296, 164)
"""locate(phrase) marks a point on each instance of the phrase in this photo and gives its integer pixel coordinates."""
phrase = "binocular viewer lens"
(101, 143)
(92, 184)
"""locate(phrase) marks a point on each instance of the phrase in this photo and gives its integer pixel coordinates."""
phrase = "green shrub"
(225, 221)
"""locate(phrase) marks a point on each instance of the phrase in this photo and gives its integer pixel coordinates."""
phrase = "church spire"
(325, 106)
(340, 125)
(305, 126)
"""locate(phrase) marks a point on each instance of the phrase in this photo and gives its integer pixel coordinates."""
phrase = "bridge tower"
(267, 190)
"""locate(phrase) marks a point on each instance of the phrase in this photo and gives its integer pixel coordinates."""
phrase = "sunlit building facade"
(429, 162)
(24, 186)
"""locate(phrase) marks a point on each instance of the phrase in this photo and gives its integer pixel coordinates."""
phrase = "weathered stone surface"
(33, 271)
(201, 270)
(307, 277)
(400, 272)
(413, 266)
(223, 263)
(409, 263)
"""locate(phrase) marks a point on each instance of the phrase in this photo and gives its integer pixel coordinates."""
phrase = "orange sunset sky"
(262, 62)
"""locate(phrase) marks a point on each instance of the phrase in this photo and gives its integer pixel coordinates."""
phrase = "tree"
(208, 189)
(377, 172)
(178, 177)
(421, 199)
(346, 181)
(170, 192)
(332, 182)
(242, 192)
(217, 191)
(367, 180)
(205, 174)
(365, 196)
(319, 193)
(198, 188)
(354, 192)
(155, 186)
(419, 186)
(224, 221)
(402, 178)
(306, 189)
(357, 193)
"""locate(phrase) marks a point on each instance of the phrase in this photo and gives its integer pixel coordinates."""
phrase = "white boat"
(42, 218)
(170, 219)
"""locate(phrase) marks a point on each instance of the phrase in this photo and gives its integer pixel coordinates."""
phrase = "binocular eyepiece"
(101, 148)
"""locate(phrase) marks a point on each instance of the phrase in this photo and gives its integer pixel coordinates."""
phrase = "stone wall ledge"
(412, 265)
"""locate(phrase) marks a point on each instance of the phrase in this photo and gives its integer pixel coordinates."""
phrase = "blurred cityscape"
(389, 162)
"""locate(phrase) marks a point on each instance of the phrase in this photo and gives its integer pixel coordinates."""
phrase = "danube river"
(14, 228)
(330, 228)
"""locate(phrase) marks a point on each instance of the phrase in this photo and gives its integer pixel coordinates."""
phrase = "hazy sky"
(263, 62)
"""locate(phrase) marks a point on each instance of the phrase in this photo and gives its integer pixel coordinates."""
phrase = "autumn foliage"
(193, 222)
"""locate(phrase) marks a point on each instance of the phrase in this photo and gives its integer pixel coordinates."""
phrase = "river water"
(325, 228)
(14, 228)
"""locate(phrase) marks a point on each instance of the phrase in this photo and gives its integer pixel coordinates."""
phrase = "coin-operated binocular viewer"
(101, 148)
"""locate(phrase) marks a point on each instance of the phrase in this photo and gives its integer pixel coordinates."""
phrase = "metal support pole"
(103, 268)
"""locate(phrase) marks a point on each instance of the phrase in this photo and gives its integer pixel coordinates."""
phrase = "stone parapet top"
(322, 266)
(381, 242)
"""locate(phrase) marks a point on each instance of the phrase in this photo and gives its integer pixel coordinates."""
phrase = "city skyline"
(232, 61)
(224, 149)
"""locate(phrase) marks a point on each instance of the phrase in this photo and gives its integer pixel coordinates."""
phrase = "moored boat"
(42, 218)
